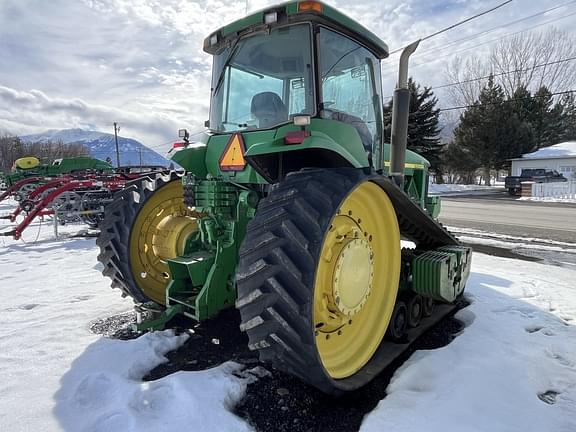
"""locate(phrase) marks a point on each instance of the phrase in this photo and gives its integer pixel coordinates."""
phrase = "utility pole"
(116, 130)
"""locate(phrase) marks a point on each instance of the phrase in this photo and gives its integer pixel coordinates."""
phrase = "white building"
(559, 157)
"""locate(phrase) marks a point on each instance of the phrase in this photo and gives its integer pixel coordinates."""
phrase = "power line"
(145, 150)
(506, 73)
(506, 101)
(497, 74)
(194, 133)
(437, 58)
(430, 36)
(509, 24)
(442, 47)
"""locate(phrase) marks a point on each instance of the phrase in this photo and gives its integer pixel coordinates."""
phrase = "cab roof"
(294, 12)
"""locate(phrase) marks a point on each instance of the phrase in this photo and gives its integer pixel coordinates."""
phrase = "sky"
(88, 63)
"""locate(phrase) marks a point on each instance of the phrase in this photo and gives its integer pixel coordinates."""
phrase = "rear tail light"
(296, 137)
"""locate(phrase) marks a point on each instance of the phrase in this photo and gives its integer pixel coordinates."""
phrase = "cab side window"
(350, 79)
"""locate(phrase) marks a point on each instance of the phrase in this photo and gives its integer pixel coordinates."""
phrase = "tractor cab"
(296, 86)
(294, 68)
(301, 83)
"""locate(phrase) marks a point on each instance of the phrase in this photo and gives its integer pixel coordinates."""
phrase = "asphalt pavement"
(501, 214)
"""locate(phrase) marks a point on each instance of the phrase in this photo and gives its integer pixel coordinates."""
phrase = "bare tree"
(12, 148)
(534, 60)
(528, 59)
(465, 72)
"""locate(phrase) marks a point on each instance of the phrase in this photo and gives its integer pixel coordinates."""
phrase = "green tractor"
(291, 206)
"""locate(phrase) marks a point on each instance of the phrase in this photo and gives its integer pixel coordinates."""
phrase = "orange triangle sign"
(232, 158)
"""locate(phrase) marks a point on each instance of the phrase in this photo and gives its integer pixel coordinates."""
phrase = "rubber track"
(114, 237)
(276, 272)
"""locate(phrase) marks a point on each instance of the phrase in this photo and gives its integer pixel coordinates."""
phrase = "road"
(497, 213)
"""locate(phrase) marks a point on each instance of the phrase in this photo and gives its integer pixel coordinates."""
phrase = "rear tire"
(281, 259)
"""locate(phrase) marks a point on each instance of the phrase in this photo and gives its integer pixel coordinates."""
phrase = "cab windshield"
(263, 80)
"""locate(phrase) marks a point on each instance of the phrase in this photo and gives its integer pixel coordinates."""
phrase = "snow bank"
(57, 375)
(104, 391)
(453, 189)
(549, 199)
(559, 150)
(512, 369)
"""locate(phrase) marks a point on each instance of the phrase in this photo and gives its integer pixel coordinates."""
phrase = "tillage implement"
(291, 207)
(69, 190)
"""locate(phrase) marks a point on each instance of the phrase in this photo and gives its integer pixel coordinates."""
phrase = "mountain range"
(101, 146)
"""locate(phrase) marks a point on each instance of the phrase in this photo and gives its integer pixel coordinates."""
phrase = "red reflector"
(178, 145)
(296, 137)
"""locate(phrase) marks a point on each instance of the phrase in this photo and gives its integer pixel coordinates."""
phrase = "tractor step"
(158, 318)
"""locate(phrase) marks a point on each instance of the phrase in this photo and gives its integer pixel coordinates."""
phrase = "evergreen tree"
(460, 163)
(492, 130)
(568, 121)
(524, 106)
(423, 130)
(545, 118)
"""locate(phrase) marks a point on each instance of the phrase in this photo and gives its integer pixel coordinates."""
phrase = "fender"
(192, 159)
(331, 144)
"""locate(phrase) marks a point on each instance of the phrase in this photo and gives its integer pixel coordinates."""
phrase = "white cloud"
(140, 62)
(37, 112)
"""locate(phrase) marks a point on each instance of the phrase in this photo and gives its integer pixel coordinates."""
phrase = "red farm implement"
(67, 199)
(19, 189)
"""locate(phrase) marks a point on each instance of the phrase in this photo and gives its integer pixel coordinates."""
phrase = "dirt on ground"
(276, 401)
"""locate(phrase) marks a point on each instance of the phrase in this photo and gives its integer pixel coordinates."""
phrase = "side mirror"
(183, 133)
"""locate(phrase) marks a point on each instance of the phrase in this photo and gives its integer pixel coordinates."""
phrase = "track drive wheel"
(318, 277)
(146, 224)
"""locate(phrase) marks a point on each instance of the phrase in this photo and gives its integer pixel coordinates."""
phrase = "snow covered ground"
(458, 189)
(57, 375)
(513, 367)
(549, 199)
(551, 251)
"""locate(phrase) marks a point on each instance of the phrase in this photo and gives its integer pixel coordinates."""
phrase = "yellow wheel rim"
(356, 281)
(159, 232)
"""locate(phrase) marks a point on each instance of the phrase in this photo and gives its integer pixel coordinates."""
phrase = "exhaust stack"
(400, 114)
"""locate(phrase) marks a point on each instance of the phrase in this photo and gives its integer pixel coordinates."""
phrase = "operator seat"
(354, 121)
(268, 109)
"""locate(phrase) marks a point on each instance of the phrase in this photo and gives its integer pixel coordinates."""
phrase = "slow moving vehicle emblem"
(233, 157)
